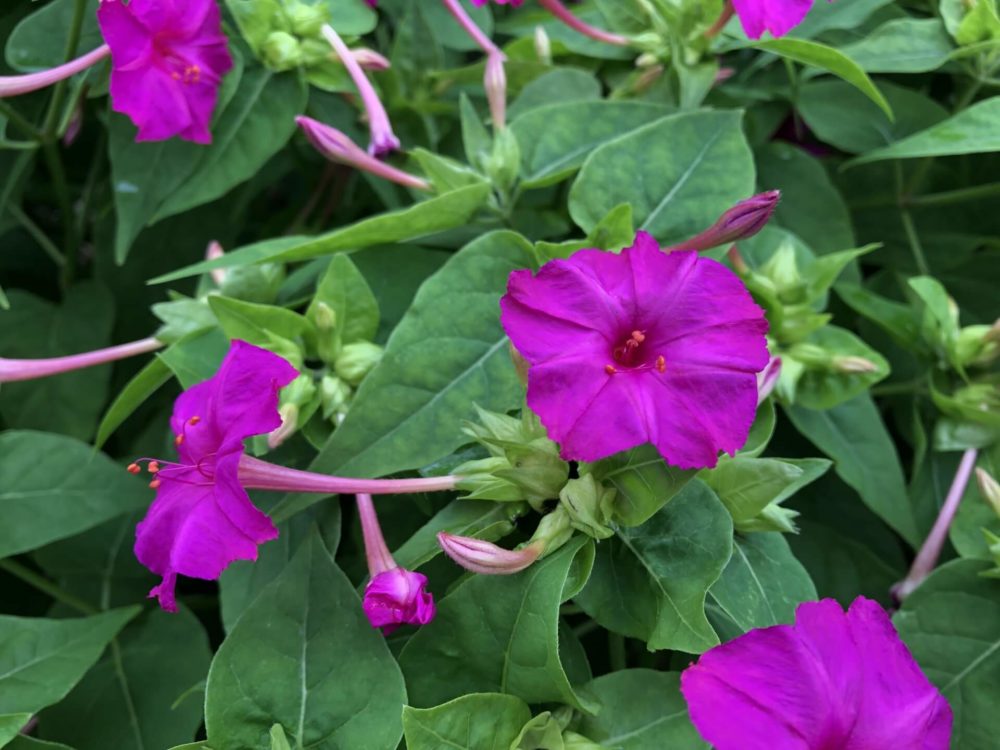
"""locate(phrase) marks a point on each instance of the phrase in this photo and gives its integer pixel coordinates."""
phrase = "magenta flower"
(394, 595)
(202, 518)
(639, 347)
(832, 681)
(777, 16)
(168, 58)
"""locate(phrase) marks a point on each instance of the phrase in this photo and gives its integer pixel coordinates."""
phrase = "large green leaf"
(481, 721)
(971, 131)
(952, 625)
(41, 660)
(501, 634)
(843, 14)
(678, 173)
(345, 291)
(447, 211)
(641, 710)
(558, 86)
(644, 481)
(52, 487)
(853, 435)
(556, 139)
(903, 45)
(38, 42)
(134, 690)
(650, 581)
(748, 485)
(69, 403)
(762, 584)
(303, 655)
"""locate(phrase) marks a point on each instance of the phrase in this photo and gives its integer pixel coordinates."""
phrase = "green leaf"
(347, 293)
(675, 192)
(143, 384)
(196, 357)
(641, 710)
(951, 624)
(52, 487)
(898, 320)
(517, 653)
(69, 403)
(261, 325)
(555, 139)
(10, 726)
(748, 485)
(821, 388)
(481, 721)
(645, 482)
(44, 659)
(23, 742)
(971, 131)
(829, 59)
(853, 435)
(422, 219)
(305, 656)
(650, 581)
(38, 42)
(558, 86)
(762, 584)
(255, 125)
(133, 690)
(843, 14)
(903, 45)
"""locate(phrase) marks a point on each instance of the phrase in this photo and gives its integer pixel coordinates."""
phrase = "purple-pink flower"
(398, 596)
(777, 16)
(202, 518)
(831, 681)
(639, 347)
(168, 58)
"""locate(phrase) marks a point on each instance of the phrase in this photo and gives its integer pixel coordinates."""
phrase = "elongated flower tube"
(12, 370)
(469, 26)
(834, 680)
(24, 84)
(394, 596)
(486, 558)
(742, 221)
(383, 140)
(202, 518)
(563, 13)
(337, 147)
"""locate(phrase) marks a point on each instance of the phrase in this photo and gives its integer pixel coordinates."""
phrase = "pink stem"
(561, 12)
(930, 551)
(28, 369)
(261, 475)
(379, 557)
(23, 84)
(484, 42)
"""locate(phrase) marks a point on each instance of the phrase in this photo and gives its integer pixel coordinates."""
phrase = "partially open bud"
(743, 220)
(306, 19)
(853, 365)
(335, 397)
(989, 488)
(767, 379)
(495, 82)
(212, 252)
(589, 506)
(486, 558)
(543, 47)
(356, 360)
(398, 596)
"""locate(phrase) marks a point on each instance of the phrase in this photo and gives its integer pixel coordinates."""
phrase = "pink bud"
(369, 59)
(495, 82)
(212, 252)
(487, 558)
(398, 596)
(740, 222)
(767, 379)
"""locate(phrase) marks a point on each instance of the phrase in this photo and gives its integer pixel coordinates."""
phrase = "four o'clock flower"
(831, 681)
(202, 518)
(777, 16)
(639, 347)
(168, 59)
(394, 595)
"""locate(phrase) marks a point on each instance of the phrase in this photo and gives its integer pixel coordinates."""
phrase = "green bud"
(479, 479)
(976, 345)
(537, 469)
(299, 392)
(989, 488)
(772, 518)
(553, 531)
(327, 335)
(335, 397)
(589, 505)
(782, 269)
(306, 19)
(503, 164)
(281, 51)
(356, 360)
(993, 542)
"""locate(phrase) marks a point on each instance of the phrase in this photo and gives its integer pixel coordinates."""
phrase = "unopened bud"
(356, 360)
(281, 51)
(305, 19)
(335, 396)
(989, 488)
(647, 78)
(543, 46)
(646, 60)
(740, 222)
(495, 82)
(324, 317)
(289, 424)
(589, 505)
(369, 59)
(767, 379)
(520, 365)
(553, 531)
(486, 558)
(212, 252)
(773, 518)
(853, 365)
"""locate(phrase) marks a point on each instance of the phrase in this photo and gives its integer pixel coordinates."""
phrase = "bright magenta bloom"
(777, 16)
(168, 58)
(639, 347)
(202, 518)
(832, 681)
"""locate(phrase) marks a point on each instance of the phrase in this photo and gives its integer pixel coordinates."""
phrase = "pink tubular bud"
(563, 13)
(487, 558)
(740, 222)
(24, 84)
(767, 379)
(31, 369)
(212, 252)
(495, 82)
(369, 59)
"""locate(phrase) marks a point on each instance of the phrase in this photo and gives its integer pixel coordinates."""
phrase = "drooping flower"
(777, 16)
(639, 347)
(168, 59)
(831, 681)
(394, 595)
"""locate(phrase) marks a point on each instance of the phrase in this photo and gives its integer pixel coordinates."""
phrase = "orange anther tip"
(194, 420)
(639, 336)
(178, 440)
(134, 469)
(154, 484)
(610, 369)
(661, 364)
(153, 467)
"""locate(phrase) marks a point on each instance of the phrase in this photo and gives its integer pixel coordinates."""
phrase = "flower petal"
(777, 16)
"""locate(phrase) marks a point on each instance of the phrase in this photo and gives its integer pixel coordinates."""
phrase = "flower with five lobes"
(168, 58)
(831, 681)
(639, 347)
(202, 518)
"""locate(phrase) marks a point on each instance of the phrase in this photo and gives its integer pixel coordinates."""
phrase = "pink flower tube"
(12, 370)
(23, 84)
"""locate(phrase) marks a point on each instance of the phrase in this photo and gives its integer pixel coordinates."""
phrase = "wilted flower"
(832, 680)
(639, 347)
(168, 60)
(777, 16)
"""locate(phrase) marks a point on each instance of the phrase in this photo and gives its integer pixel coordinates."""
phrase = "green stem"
(53, 160)
(52, 116)
(46, 586)
(915, 247)
(897, 389)
(616, 651)
(949, 197)
(20, 120)
(37, 234)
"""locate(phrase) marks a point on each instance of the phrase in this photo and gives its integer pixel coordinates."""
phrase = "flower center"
(633, 356)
